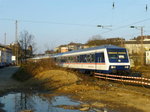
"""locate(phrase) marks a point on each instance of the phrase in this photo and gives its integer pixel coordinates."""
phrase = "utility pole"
(16, 39)
(4, 38)
(122, 44)
(141, 28)
(16, 35)
(142, 47)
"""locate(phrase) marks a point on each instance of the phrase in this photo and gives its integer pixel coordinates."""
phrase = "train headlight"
(126, 67)
(113, 67)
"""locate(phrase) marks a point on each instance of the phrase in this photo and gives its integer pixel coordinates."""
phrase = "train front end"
(118, 59)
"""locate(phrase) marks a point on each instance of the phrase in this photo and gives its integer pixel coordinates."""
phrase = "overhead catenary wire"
(72, 24)
(47, 22)
(128, 25)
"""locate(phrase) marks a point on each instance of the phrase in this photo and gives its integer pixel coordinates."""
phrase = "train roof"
(4, 46)
(91, 48)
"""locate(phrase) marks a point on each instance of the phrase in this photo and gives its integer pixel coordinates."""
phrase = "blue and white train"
(103, 59)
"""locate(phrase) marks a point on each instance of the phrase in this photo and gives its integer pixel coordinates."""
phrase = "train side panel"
(99, 63)
(106, 59)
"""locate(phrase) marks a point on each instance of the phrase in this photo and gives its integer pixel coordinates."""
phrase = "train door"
(99, 60)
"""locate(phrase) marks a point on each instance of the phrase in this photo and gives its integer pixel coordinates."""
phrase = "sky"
(57, 22)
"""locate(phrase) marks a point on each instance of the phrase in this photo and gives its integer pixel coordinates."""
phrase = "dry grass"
(45, 73)
(53, 79)
(31, 69)
(35, 68)
(145, 70)
(62, 81)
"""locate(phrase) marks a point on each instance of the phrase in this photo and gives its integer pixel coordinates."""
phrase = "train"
(5, 56)
(102, 59)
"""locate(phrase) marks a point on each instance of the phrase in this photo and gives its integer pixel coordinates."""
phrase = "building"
(74, 46)
(146, 37)
(64, 49)
(115, 41)
(49, 52)
(70, 47)
(5, 55)
(148, 57)
(134, 46)
(137, 48)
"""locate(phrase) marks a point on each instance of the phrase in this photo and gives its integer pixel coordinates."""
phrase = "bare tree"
(96, 37)
(27, 44)
(96, 41)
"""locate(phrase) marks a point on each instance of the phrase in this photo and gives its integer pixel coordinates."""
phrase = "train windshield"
(117, 55)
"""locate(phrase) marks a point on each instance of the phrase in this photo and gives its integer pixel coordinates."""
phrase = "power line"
(83, 25)
(124, 26)
(48, 22)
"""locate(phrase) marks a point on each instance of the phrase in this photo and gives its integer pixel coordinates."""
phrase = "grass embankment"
(45, 74)
(98, 93)
(145, 70)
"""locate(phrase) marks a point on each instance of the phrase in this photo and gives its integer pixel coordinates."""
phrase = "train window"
(63, 59)
(113, 56)
(90, 58)
(83, 58)
(99, 57)
(117, 56)
(74, 59)
(71, 59)
(87, 58)
(78, 59)
(59, 60)
(102, 59)
(93, 58)
(68, 59)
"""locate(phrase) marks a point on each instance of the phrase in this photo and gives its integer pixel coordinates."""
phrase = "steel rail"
(129, 77)
(143, 81)
(121, 80)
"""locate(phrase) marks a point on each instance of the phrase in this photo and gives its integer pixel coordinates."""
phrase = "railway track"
(126, 79)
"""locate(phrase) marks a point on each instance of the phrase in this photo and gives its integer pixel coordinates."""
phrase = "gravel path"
(6, 82)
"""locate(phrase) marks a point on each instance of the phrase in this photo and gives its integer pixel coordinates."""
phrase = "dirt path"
(6, 82)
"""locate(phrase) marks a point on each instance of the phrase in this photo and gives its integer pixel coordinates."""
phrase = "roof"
(91, 48)
(136, 42)
(4, 46)
(72, 43)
